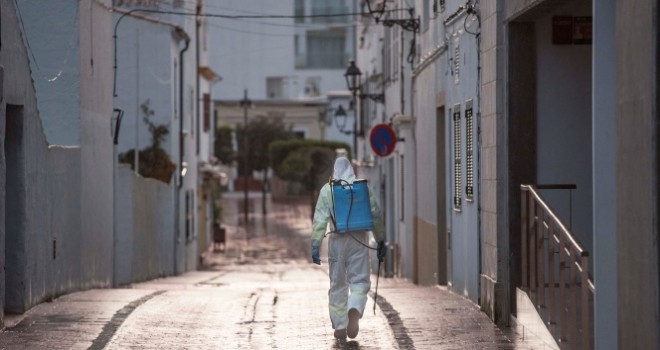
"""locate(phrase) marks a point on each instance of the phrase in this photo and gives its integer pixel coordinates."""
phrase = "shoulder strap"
(333, 214)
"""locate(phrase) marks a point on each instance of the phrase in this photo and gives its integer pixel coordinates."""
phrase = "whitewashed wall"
(146, 75)
(64, 188)
(145, 228)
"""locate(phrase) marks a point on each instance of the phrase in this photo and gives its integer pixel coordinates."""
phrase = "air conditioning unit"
(313, 87)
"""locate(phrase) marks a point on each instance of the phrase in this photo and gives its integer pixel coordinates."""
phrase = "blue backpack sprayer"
(351, 211)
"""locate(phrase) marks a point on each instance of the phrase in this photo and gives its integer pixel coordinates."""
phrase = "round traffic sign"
(382, 139)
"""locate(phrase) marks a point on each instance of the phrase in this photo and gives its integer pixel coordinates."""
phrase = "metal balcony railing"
(555, 271)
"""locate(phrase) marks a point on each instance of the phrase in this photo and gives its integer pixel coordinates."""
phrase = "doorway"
(444, 254)
(15, 215)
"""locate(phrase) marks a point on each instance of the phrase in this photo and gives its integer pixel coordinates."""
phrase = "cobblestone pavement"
(261, 292)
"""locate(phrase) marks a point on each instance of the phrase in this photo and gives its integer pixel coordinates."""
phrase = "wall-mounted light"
(184, 168)
(353, 77)
(340, 118)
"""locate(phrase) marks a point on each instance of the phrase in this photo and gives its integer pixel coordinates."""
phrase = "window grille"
(457, 63)
(387, 55)
(396, 51)
(469, 151)
(457, 158)
(403, 188)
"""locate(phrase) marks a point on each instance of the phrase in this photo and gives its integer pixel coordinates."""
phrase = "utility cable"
(218, 15)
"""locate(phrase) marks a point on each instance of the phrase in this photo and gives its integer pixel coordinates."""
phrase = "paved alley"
(260, 292)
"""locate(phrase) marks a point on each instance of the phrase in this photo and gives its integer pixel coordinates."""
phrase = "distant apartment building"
(287, 65)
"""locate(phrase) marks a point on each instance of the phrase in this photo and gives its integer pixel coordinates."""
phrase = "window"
(396, 52)
(469, 159)
(190, 218)
(369, 107)
(457, 158)
(329, 8)
(438, 6)
(207, 112)
(299, 133)
(387, 55)
(191, 100)
(402, 169)
(299, 10)
(313, 86)
(326, 49)
(274, 87)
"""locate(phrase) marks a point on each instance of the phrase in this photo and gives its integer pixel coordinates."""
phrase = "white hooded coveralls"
(348, 259)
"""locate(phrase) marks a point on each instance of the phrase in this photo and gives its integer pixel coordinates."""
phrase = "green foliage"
(154, 163)
(153, 160)
(223, 148)
(261, 132)
(279, 150)
(308, 162)
(158, 132)
(216, 200)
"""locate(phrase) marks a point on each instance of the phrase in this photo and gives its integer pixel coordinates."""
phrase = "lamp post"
(352, 76)
(245, 103)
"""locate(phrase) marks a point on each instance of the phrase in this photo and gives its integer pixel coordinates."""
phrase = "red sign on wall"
(562, 30)
(582, 30)
(567, 30)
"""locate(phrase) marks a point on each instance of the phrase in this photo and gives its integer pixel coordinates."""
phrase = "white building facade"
(553, 94)
(163, 73)
(56, 224)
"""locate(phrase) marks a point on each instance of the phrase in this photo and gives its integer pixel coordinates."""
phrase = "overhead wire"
(218, 15)
(248, 32)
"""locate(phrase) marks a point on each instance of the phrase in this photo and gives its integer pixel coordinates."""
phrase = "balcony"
(321, 60)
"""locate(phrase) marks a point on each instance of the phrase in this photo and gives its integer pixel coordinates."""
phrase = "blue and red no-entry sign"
(382, 139)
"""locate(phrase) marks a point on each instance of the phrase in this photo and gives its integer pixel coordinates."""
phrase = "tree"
(223, 147)
(260, 132)
(153, 160)
(308, 162)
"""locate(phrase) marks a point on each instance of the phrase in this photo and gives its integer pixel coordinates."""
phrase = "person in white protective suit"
(348, 256)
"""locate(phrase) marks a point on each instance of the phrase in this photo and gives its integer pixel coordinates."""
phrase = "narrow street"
(261, 292)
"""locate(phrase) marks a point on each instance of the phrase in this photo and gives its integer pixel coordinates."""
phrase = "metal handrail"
(549, 250)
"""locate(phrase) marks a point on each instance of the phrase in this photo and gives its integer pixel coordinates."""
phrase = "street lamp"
(245, 103)
(353, 82)
(352, 76)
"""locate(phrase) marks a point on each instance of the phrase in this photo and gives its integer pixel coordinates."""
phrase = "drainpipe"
(177, 191)
(198, 11)
(115, 141)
